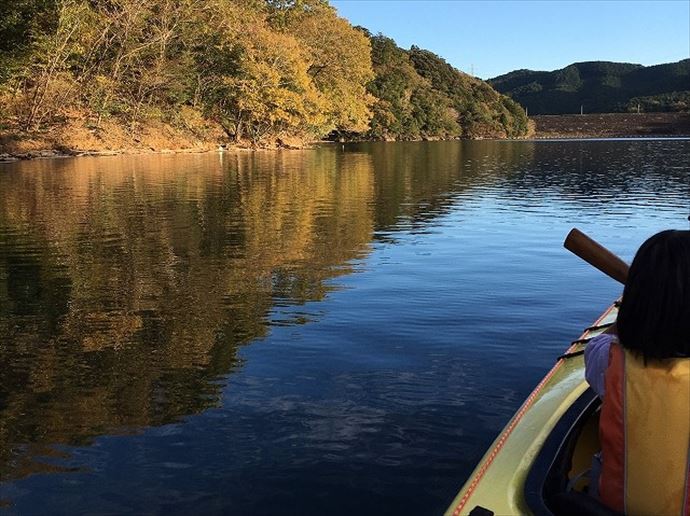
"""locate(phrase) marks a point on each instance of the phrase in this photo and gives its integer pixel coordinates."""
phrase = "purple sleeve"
(597, 361)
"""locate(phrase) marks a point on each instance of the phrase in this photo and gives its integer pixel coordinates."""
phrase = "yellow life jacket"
(645, 435)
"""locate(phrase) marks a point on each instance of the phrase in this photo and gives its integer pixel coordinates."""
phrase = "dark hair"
(654, 316)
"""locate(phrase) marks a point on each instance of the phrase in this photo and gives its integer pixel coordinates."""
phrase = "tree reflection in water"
(127, 284)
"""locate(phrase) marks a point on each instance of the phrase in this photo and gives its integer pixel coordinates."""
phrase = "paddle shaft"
(596, 254)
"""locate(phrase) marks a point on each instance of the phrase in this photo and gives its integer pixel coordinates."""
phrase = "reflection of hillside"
(416, 182)
(126, 285)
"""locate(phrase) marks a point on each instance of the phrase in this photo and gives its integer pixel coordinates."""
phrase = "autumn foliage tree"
(263, 89)
(231, 60)
(339, 58)
(261, 70)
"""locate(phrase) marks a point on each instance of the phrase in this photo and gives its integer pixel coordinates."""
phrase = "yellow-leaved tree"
(339, 58)
(257, 85)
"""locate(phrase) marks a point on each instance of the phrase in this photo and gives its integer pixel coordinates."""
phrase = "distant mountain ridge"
(600, 87)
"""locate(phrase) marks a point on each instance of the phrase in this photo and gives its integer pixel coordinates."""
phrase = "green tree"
(22, 22)
(393, 85)
(419, 95)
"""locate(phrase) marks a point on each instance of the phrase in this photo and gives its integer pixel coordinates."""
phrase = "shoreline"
(48, 154)
(44, 154)
(548, 127)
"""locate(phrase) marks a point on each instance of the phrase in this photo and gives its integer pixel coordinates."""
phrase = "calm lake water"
(341, 330)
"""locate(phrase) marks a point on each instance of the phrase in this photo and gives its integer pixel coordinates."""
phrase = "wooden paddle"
(596, 254)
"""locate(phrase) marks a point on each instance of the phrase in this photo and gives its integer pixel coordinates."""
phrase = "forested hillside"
(418, 95)
(254, 71)
(600, 87)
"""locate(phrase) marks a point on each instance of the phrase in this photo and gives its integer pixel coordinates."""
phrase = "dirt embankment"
(75, 138)
(612, 125)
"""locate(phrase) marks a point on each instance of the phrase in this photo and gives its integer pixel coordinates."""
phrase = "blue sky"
(495, 37)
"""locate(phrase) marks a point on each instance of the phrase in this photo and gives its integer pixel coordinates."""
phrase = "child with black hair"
(641, 369)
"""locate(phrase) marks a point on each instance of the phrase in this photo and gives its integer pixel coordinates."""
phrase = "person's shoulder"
(603, 340)
(597, 361)
(598, 347)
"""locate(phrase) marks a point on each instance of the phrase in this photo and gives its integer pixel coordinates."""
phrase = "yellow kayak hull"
(498, 482)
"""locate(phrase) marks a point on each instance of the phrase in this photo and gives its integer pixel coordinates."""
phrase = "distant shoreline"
(611, 125)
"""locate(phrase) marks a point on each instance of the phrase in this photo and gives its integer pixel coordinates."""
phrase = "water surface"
(333, 331)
